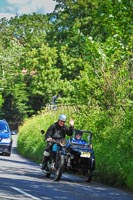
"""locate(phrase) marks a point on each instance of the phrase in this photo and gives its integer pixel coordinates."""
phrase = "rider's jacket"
(58, 132)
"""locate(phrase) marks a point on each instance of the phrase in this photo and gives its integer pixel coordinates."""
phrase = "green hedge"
(112, 142)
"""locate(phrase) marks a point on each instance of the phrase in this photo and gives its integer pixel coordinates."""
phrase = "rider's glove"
(49, 139)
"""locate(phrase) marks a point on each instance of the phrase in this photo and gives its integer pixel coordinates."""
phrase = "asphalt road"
(22, 179)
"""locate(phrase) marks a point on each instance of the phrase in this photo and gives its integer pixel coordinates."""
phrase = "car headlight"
(6, 140)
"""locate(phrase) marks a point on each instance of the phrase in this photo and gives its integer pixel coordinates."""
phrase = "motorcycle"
(80, 157)
(67, 156)
(56, 162)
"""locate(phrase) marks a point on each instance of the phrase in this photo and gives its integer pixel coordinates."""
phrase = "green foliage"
(114, 152)
(30, 141)
(1, 100)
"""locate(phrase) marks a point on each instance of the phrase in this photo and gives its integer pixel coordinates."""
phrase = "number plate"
(85, 154)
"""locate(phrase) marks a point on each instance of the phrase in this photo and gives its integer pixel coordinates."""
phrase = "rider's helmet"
(62, 117)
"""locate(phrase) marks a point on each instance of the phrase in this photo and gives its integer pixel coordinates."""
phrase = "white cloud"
(17, 1)
(29, 6)
(6, 15)
(20, 7)
(35, 5)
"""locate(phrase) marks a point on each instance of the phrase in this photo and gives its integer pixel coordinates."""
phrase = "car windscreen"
(4, 127)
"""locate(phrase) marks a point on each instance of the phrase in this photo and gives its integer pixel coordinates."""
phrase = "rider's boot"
(45, 160)
(44, 163)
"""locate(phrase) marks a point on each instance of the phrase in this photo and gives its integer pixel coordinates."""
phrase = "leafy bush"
(112, 141)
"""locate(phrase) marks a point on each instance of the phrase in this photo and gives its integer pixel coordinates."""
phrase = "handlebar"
(61, 141)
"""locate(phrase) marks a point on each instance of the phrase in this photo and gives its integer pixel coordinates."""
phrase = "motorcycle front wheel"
(59, 166)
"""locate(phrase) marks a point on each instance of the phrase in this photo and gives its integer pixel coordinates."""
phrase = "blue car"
(5, 138)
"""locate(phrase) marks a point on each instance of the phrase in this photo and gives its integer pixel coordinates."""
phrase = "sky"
(11, 8)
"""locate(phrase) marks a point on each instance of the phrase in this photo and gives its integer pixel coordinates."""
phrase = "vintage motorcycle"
(67, 156)
(55, 165)
(80, 157)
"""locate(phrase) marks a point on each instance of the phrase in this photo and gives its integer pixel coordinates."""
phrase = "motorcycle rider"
(57, 130)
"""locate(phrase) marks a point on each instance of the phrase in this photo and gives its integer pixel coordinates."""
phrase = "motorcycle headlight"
(63, 142)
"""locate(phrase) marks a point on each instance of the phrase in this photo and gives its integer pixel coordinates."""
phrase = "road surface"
(22, 179)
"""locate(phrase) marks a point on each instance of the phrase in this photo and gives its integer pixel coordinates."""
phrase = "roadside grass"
(112, 142)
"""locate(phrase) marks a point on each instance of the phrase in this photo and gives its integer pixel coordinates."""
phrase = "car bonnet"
(4, 134)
